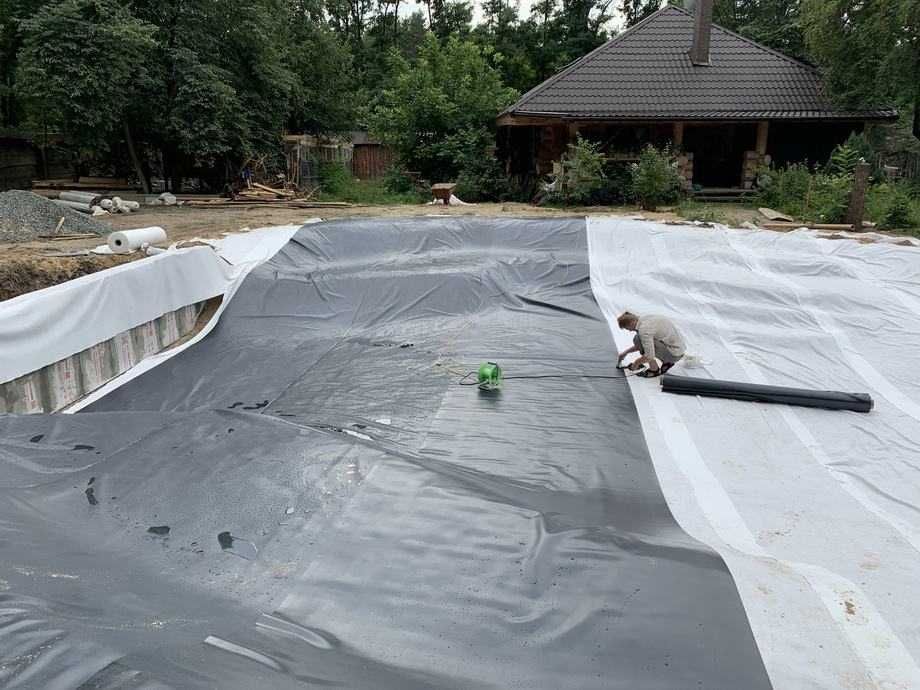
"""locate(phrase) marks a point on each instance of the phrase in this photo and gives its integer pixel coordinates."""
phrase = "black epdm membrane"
(306, 497)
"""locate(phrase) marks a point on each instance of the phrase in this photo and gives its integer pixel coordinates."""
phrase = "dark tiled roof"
(646, 73)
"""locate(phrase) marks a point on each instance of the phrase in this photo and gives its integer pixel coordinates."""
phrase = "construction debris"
(249, 200)
(165, 199)
(109, 184)
(770, 214)
(25, 216)
(811, 226)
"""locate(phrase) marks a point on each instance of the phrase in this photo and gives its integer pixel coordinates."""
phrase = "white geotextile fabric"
(245, 251)
(45, 326)
(816, 513)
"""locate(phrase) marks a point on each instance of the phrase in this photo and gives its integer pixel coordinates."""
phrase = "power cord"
(463, 381)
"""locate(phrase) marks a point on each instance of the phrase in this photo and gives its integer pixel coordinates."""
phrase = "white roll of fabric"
(127, 241)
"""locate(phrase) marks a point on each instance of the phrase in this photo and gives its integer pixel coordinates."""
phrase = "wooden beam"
(763, 129)
(857, 210)
(509, 120)
(678, 136)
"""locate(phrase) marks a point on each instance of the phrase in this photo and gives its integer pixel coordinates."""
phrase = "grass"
(365, 192)
(708, 213)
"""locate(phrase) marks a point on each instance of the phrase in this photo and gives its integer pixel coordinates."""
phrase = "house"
(726, 103)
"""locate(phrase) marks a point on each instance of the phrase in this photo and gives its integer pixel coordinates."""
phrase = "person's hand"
(620, 360)
(650, 373)
(635, 366)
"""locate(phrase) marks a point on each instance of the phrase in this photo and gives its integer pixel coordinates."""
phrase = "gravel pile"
(24, 216)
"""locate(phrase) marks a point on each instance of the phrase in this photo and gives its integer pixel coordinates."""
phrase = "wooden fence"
(20, 163)
(907, 164)
(370, 161)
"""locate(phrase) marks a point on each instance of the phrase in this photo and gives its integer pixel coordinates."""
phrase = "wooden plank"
(763, 129)
(279, 192)
(509, 120)
(813, 226)
(73, 236)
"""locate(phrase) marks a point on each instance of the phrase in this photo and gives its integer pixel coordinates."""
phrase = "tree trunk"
(129, 140)
(917, 115)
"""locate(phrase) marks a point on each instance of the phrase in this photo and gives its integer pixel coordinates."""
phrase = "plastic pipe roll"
(81, 197)
(752, 392)
(127, 241)
(75, 205)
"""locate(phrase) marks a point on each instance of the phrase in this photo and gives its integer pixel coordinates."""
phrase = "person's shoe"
(665, 367)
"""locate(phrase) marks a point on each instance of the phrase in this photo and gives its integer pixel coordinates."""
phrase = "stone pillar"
(685, 170)
(857, 211)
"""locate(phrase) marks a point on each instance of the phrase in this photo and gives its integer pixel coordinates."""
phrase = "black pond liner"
(369, 523)
(753, 392)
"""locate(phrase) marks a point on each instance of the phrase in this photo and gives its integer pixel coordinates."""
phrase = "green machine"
(490, 376)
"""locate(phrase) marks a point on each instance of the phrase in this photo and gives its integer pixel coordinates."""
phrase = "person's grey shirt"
(658, 337)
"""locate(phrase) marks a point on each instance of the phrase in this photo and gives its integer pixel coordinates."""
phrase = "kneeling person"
(656, 338)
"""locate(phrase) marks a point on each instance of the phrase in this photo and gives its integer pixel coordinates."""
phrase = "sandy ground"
(34, 265)
(31, 266)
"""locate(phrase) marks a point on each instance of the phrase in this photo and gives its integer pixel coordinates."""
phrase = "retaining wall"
(57, 385)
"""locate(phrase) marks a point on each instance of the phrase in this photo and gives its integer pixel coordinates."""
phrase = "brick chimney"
(702, 31)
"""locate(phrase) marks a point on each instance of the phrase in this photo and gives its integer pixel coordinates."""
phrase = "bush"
(334, 178)
(845, 156)
(784, 189)
(582, 174)
(398, 181)
(617, 188)
(807, 196)
(431, 109)
(892, 207)
(481, 177)
(655, 179)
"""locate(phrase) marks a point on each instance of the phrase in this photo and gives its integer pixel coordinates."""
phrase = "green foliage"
(710, 213)
(634, 11)
(481, 177)
(775, 23)
(343, 187)
(807, 196)
(655, 179)
(398, 181)
(869, 52)
(334, 178)
(844, 159)
(433, 111)
(784, 188)
(893, 207)
(81, 66)
(581, 174)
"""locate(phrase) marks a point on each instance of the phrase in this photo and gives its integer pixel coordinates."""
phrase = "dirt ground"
(34, 265)
(29, 266)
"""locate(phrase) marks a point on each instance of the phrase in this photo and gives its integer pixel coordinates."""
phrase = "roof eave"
(849, 115)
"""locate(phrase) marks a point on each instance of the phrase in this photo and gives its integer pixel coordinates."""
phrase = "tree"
(581, 24)
(322, 98)
(12, 12)
(869, 52)
(81, 65)
(634, 11)
(449, 17)
(434, 110)
(775, 23)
